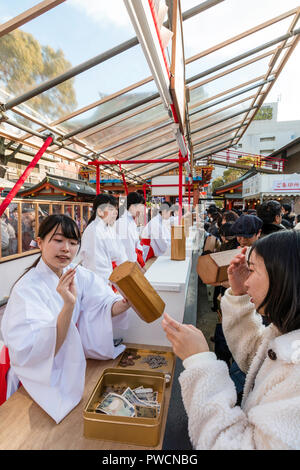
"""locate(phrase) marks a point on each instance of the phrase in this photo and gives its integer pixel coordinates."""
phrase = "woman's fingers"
(70, 272)
(66, 279)
(170, 321)
(168, 327)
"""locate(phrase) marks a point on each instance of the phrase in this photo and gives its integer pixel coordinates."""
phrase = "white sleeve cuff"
(245, 298)
(196, 359)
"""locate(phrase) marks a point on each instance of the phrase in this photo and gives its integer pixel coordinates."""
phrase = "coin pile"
(128, 358)
(119, 389)
(154, 361)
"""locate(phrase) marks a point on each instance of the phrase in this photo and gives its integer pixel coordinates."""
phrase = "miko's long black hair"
(102, 200)
(68, 227)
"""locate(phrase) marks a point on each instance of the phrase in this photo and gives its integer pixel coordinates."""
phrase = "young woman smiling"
(269, 415)
(57, 316)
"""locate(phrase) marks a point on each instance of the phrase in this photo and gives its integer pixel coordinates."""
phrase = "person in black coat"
(287, 219)
(270, 212)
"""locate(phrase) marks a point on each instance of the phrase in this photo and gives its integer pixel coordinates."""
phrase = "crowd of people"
(10, 228)
(230, 229)
(246, 394)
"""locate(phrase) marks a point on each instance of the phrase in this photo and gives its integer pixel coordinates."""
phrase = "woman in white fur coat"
(269, 415)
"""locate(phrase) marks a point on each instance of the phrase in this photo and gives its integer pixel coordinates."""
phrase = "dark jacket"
(214, 229)
(290, 219)
(271, 228)
(230, 245)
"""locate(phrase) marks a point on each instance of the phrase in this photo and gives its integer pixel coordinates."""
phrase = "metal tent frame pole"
(211, 147)
(284, 37)
(71, 73)
(233, 95)
(124, 46)
(110, 116)
(55, 142)
(137, 136)
(219, 134)
(41, 136)
(224, 119)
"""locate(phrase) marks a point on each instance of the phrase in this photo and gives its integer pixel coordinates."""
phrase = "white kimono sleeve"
(95, 322)
(121, 255)
(29, 330)
(30, 338)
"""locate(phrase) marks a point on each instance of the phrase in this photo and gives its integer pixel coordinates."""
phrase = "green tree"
(233, 174)
(216, 183)
(24, 64)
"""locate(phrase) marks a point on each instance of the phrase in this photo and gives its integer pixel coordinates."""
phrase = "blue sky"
(85, 28)
(81, 37)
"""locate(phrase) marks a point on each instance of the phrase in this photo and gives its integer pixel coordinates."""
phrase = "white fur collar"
(287, 347)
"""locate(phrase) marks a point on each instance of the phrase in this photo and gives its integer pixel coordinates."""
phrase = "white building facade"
(265, 134)
(282, 187)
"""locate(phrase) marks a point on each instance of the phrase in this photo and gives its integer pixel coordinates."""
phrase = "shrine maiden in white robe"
(56, 382)
(159, 232)
(127, 231)
(100, 246)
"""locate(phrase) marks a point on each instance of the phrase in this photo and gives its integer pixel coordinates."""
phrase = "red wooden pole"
(97, 179)
(128, 162)
(124, 180)
(24, 176)
(180, 188)
(145, 207)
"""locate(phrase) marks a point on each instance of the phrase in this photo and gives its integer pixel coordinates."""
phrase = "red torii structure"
(180, 160)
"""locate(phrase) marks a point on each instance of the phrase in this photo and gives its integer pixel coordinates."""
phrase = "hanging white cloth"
(158, 231)
(56, 382)
(127, 231)
(100, 247)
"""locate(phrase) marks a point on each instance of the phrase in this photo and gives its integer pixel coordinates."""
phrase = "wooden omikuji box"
(212, 268)
(177, 242)
(131, 430)
(133, 285)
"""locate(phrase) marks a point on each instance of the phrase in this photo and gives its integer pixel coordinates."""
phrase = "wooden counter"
(24, 425)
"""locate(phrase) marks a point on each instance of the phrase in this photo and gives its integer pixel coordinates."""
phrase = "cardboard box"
(212, 268)
(133, 285)
(130, 430)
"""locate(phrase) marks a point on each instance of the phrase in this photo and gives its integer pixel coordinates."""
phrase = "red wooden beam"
(180, 188)
(124, 180)
(97, 179)
(24, 176)
(128, 162)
